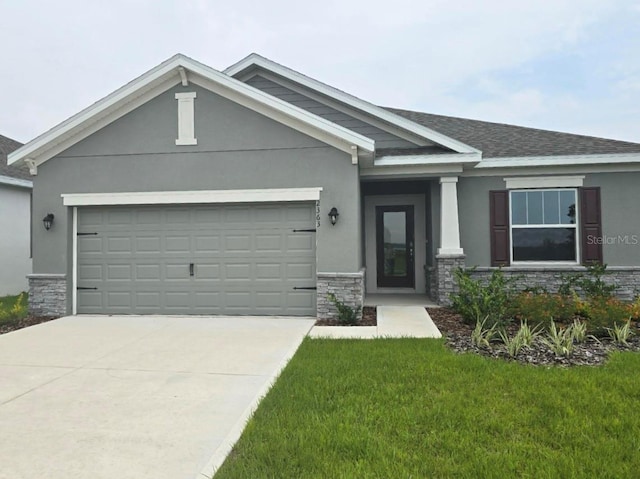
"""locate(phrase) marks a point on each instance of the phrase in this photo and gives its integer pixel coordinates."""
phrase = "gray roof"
(497, 140)
(7, 145)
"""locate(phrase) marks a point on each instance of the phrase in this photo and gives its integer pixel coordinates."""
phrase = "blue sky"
(561, 65)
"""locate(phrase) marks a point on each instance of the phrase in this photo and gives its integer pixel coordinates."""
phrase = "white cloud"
(408, 53)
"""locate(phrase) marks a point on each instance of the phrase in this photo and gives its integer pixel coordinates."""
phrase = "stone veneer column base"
(347, 287)
(445, 282)
(47, 294)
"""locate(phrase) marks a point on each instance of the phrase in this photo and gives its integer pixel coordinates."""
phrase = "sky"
(565, 65)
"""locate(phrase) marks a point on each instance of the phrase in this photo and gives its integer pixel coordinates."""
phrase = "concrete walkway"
(393, 322)
(134, 396)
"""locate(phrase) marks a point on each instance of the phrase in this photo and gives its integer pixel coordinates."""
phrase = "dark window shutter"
(499, 217)
(590, 217)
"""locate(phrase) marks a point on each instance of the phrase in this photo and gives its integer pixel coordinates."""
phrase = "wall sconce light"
(48, 221)
(333, 215)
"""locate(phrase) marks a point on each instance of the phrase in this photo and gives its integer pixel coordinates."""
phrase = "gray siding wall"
(620, 198)
(382, 138)
(237, 149)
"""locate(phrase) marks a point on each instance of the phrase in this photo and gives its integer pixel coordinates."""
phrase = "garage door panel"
(117, 272)
(119, 299)
(89, 244)
(148, 272)
(247, 259)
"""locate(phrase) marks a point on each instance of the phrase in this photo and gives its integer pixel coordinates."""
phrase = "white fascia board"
(521, 182)
(427, 159)
(192, 197)
(39, 148)
(412, 171)
(19, 182)
(564, 160)
(408, 125)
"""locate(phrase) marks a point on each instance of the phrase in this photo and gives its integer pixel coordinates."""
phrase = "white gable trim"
(192, 197)
(8, 180)
(160, 79)
(354, 102)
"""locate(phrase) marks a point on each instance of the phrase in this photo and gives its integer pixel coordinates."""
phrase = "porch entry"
(395, 246)
(395, 243)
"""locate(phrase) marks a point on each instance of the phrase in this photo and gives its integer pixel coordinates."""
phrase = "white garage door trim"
(177, 198)
(274, 195)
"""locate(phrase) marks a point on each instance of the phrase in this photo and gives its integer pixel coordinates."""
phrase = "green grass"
(410, 408)
(13, 308)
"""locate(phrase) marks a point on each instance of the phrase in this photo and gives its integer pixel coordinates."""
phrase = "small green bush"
(477, 302)
(14, 309)
(346, 314)
(482, 336)
(591, 284)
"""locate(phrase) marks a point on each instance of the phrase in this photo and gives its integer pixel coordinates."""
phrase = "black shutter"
(590, 216)
(499, 217)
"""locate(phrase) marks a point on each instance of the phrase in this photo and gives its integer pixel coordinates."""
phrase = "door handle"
(191, 269)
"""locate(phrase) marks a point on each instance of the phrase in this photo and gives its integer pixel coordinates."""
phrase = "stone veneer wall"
(347, 287)
(47, 294)
(627, 279)
(445, 282)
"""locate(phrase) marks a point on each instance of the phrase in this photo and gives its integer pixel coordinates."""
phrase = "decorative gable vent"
(186, 119)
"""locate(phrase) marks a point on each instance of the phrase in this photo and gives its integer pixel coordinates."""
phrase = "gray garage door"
(203, 259)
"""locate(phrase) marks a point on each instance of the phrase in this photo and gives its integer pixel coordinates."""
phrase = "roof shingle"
(7, 145)
(497, 140)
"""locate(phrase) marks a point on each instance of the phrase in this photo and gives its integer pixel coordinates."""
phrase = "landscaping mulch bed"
(369, 318)
(590, 353)
(8, 326)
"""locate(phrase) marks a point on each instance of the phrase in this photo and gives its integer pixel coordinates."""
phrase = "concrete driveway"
(134, 396)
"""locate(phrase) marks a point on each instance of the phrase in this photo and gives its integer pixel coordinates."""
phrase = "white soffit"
(257, 60)
(160, 79)
(516, 183)
(564, 160)
(442, 159)
(192, 197)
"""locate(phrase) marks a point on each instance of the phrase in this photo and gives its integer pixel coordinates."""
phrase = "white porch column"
(449, 224)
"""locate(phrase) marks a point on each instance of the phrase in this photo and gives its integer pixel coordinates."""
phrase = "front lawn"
(411, 408)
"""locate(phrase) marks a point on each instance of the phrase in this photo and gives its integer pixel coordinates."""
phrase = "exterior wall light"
(333, 215)
(48, 221)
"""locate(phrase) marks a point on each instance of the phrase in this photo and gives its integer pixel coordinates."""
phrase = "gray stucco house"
(15, 222)
(195, 191)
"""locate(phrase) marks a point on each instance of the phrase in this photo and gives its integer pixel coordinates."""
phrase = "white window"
(544, 225)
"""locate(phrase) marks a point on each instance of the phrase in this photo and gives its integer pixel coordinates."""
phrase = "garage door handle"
(190, 269)
(305, 287)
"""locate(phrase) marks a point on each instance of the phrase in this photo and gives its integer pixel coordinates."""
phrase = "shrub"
(603, 313)
(346, 314)
(482, 336)
(560, 340)
(590, 283)
(18, 310)
(621, 334)
(480, 302)
(540, 309)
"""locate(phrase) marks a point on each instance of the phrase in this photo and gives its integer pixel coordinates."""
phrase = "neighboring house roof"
(498, 140)
(10, 173)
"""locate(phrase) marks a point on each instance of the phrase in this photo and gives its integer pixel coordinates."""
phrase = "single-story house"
(258, 190)
(15, 222)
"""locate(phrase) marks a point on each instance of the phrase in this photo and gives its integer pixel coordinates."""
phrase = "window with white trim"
(544, 225)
